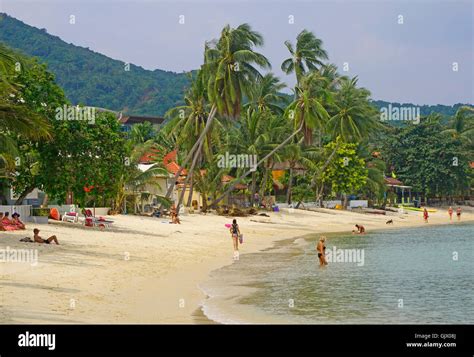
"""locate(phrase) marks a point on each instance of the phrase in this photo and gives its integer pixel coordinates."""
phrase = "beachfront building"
(129, 121)
(401, 193)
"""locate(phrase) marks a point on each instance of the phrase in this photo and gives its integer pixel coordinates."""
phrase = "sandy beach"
(145, 270)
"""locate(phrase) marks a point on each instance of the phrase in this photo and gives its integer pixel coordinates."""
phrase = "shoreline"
(224, 306)
(144, 271)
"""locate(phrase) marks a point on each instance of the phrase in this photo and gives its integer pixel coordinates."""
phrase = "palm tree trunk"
(236, 181)
(264, 183)
(191, 170)
(210, 118)
(191, 189)
(290, 182)
(254, 186)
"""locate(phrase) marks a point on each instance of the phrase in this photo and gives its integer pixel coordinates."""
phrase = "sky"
(403, 51)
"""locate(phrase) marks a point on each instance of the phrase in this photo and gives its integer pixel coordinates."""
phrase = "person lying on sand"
(38, 239)
(360, 229)
(17, 222)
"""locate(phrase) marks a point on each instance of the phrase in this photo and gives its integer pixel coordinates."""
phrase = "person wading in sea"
(321, 249)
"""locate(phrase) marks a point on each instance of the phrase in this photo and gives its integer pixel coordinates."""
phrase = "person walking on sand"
(235, 233)
(38, 239)
(321, 249)
(425, 215)
(450, 212)
(458, 213)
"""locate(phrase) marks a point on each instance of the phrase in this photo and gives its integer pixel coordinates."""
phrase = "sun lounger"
(70, 217)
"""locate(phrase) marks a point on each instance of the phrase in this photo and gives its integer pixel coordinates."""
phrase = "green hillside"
(91, 78)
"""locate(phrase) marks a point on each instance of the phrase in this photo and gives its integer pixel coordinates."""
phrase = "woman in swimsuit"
(321, 249)
(425, 215)
(17, 222)
(235, 232)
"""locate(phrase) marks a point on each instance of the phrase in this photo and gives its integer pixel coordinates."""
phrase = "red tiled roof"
(393, 181)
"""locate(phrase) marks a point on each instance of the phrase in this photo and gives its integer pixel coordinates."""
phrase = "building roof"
(135, 119)
(393, 181)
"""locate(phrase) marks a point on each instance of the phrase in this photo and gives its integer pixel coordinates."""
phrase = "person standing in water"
(450, 212)
(425, 215)
(235, 233)
(458, 213)
(321, 249)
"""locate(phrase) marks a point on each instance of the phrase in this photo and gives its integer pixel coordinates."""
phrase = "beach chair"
(72, 217)
(91, 221)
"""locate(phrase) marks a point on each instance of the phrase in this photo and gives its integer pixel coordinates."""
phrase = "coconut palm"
(229, 72)
(307, 55)
(461, 126)
(355, 118)
(266, 94)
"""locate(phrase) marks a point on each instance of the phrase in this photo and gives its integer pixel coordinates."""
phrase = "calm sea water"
(419, 275)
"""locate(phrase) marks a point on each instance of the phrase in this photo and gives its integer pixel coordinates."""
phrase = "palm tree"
(306, 56)
(305, 112)
(307, 109)
(462, 125)
(229, 71)
(355, 118)
(266, 94)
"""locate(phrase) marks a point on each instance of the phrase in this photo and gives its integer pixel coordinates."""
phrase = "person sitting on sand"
(17, 222)
(425, 215)
(174, 216)
(38, 239)
(458, 213)
(360, 229)
(7, 224)
(321, 249)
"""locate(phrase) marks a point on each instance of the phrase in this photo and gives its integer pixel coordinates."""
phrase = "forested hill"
(91, 78)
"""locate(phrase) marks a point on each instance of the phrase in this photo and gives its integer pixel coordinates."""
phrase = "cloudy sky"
(408, 62)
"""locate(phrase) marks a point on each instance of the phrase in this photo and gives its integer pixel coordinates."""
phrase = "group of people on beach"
(11, 224)
(450, 212)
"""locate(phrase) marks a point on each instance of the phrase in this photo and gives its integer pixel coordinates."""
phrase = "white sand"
(146, 271)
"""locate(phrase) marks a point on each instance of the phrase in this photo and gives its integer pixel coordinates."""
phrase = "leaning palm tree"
(305, 113)
(307, 55)
(229, 72)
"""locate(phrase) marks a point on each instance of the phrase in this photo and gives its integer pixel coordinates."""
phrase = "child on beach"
(425, 215)
(235, 233)
(450, 212)
(38, 239)
(458, 213)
